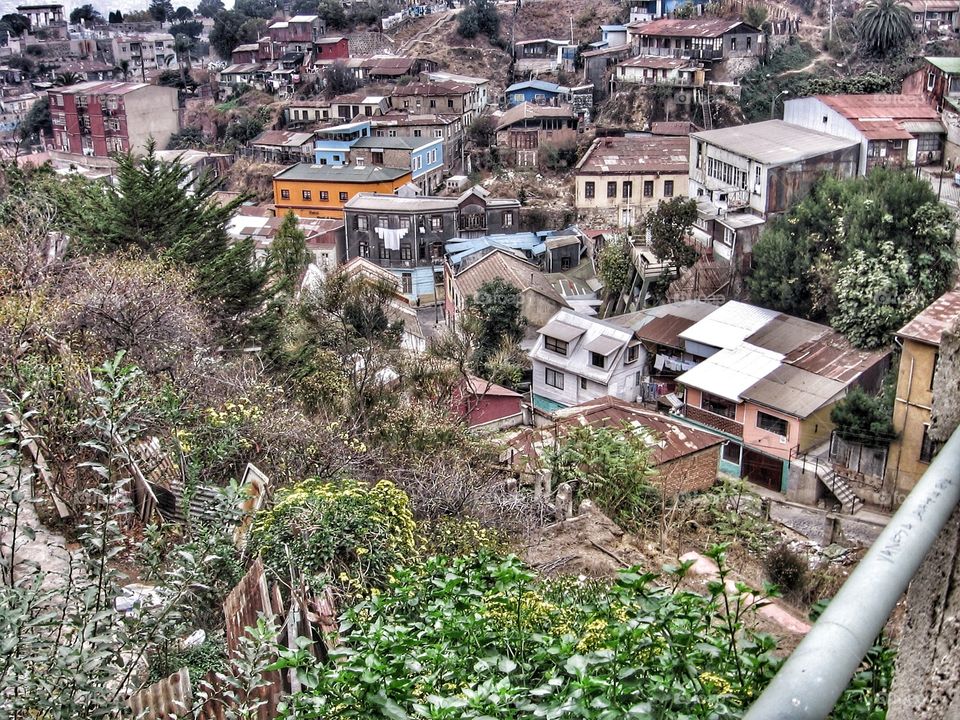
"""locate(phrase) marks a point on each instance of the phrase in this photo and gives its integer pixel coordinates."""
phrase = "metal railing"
(817, 672)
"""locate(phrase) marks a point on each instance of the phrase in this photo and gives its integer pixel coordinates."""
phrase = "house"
(538, 92)
(543, 55)
(643, 11)
(332, 144)
(578, 358)
(613, 35)
(726, 237)
(523, 128)
(422, 156)
(42, 16)
(597, 63)
(891, 130)
(198, 162)
(144, 51)
(539, 301)
(283, 147)
(938, 82)
(448, 98)
(912, 450)
(323, 190)
(706, 39)
(390, 68)
(484, 405)
(406, 235)
(343, 108)
(685, 457)
(622, 178)
(244, 74)
(14, 108)
(482, 85)
(448, 128)
(934, 16)
(765, 167)
(684, 76)
(297, 34)
(553, 250)
(328, 50)
(397, 308)
(97, 119)
(767, 382)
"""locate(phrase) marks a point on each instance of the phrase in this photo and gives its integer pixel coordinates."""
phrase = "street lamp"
(773, 103)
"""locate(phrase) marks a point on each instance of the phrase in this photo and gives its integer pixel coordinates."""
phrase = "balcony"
(718, 422)
(472, 222)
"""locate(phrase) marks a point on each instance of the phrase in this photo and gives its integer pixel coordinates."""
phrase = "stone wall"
(824, 527)
(691, 473)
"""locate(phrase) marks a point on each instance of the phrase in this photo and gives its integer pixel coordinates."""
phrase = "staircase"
(840, 489)
(707, 112)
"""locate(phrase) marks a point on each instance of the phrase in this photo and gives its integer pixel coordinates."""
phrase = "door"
(762, 469)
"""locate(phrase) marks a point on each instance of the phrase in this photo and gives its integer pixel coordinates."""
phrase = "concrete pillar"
(926, 683)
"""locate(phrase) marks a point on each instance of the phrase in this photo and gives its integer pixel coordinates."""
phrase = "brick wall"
(691, 473)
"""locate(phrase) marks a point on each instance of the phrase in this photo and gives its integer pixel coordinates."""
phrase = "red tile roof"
(928, 326)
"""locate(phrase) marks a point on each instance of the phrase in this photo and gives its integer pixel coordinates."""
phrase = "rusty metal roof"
(665, 330)
(659, 62)
(677, 128)
(500, 264)
(794, 391)
(832, 356)
(530, 111)
(785, 333)
(673, 439)
(696, 27)
(636, 155)
(881, 116)
(928, 326)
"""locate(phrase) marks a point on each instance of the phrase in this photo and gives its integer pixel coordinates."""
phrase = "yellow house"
(912, 450)
(323, 190)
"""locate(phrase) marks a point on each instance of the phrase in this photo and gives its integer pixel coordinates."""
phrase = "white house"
(578, 358)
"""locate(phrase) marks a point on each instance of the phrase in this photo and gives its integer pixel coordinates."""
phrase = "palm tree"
(68, 78)
(123, 67)
(884, 25)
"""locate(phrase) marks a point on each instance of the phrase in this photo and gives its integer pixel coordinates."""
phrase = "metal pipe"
(816, 674)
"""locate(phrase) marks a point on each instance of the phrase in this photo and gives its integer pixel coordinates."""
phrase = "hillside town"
(477, 359)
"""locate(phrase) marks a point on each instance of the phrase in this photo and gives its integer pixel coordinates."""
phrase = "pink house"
(486, 405)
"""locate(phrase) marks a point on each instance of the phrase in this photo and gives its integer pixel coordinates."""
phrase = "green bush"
(786, 569)
(342, 532)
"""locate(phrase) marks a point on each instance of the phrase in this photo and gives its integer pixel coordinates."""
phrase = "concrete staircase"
(841, 490)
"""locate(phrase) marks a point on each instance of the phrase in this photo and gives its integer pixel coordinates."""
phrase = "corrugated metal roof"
(729, 325)
(928, 326)
(340, 173)
(831, 355)
(794, 391)
(785, 333)
(636, 155)
(503, 265)
(665, 330)
(732, 371)
(774, 142)
(950, 65)
(881, 116)
(561, 330)
(696, 27)
(658, 62)
(283, 138)
(527, 110)
(671, 439)
(603, 345)
(396, 203)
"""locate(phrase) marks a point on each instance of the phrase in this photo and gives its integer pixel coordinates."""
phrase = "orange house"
(323, 190)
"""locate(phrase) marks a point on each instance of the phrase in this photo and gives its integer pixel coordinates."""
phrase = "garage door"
(762, 469)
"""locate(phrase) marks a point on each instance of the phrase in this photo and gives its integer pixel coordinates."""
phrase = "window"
(392, 133)
(928, 447)
(933, 371)
(361, 222)
(597, 360)
(668, 188)
(433, 103)
(438, 133)
(383, 221)
(627, 189)
(307, 195)
(405, 223)
(589, 189)
(406, 253)
(564, 263)
(324, 195)
(359, 162)
(376, 158)
(772, 424)
(436, 222)
(384, 252)
(730, 452)
(417, 163)
(416, 133)
(898, 144)
(554, 345)
(285, 194)
(553, 378)
(406, 283)
(718, 405)
(633, 352)
(611, 189)
(648, 188)
(508, 219)
(733, 43)
(931, 79)
(363, 249)
(343, 197)
(450, 102)
(583, 383)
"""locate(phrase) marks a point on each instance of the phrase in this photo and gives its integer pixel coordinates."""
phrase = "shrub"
(343, 532)
(786, 569)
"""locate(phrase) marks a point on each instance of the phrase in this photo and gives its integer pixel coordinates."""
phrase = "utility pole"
(830, 25)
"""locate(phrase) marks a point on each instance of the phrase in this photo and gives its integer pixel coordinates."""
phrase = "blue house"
(333, 144)
(538, 92)
(613, 35)
(423, 156)
(647, 10)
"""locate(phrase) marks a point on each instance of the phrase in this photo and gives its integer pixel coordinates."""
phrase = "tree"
(884, 25)
(191, 28)
(669, 225)
(161, 10)
(115, 17)
(37, 122)
(242, 130)
(86, 14)
(333, 14)
(863, 418)
(479, 17)
(755, 15)
(226, 35)
(498, 311)
(182, 45)
(182, 14)
(188, 138)
(123, 67)
(482, 131)
(338, 79)
(210, 8)
(68, 78)
(18, 24)
(613, 265)
(256, 8)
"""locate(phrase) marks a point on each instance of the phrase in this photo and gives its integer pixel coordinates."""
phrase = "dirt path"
(406, 48)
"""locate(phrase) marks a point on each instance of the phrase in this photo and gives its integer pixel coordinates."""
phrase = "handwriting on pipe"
(894, 545)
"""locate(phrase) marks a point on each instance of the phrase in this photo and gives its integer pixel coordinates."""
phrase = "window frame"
(772, 424)
(589, 189)
(598, 360)
(556, 345)
(557, 377)
(709, 402)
